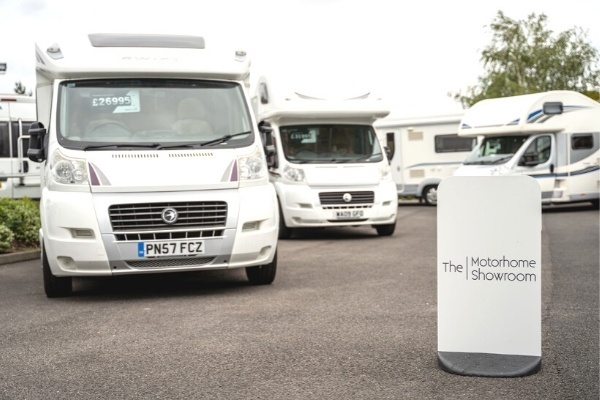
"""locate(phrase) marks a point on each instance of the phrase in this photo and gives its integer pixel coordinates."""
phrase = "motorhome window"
(582, 141)
(20, 130)
(391, 144)
(4, 140)
(496, 149)
(538, 152)
(330, 143)
(153, 112)
(453, 143)
(10, 148)
(584, 145)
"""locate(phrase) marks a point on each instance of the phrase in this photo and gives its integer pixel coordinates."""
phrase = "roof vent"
(553, 107)
(54, 52)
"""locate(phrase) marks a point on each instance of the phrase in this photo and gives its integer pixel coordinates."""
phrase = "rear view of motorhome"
(151, 159)
(553, 137)
(325, 161)
(19, 177)
(423, 151)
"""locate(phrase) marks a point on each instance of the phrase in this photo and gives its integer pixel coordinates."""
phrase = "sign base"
(486, 364)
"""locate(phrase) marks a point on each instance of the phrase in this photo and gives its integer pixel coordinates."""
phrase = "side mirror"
(265, 127)
(388, 154)
(529, 160)
(271, 155)
(266, 131)
(37, 134)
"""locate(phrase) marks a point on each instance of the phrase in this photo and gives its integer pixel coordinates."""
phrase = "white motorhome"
(325, 160)
(18, 176)
(423, 151)
(553, 137)
(151, 159)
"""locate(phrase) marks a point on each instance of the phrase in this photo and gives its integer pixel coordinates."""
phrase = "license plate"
(170, 248)
(349, 214)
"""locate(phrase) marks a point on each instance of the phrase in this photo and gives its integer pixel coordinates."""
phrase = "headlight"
(293, 174)
(252, 166)
(68, 170)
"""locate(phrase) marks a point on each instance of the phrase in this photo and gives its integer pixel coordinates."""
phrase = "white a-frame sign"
(489, 275)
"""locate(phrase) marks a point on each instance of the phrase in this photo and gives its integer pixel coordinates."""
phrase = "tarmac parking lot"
(351, 315)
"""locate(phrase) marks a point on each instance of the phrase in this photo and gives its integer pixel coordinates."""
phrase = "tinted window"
(582, 141)
(4, 143)
(453, 143)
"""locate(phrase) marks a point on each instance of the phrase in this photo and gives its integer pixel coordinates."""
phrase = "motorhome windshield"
(152, 113)
(330, 144)
(495, 150)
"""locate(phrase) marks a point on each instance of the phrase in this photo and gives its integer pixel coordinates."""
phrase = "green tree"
(21, 89)
(526, 57)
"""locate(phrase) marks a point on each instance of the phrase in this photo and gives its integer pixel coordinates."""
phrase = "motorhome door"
(537, 158)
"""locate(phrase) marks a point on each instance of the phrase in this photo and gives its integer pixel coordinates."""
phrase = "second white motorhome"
(325, 161)
(553, 137)
(19, 177)
(423, 151)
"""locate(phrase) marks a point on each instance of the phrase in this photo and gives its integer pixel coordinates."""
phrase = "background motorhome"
(553, 137)
(19, 177)
(423, 151)
(325, 160)
(152, 160)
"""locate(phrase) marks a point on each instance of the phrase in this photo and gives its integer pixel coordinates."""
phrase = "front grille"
(171, 262)
(329, 198)
(130, 218)
(174, 235)
(342, 207)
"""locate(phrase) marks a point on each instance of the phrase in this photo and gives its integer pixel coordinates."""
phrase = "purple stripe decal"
(234, 172)
(93, 177)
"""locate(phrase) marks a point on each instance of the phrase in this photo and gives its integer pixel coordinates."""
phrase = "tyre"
(284, 231)
(54, 286)
(430, 195)
(263, 274)
(386, 230)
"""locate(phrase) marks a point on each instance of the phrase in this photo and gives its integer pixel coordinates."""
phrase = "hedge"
(19, 224)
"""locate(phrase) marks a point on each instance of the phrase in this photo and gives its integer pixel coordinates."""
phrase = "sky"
(411, 54)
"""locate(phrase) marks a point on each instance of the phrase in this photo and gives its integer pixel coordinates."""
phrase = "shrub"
(22, 218)
(6, 239)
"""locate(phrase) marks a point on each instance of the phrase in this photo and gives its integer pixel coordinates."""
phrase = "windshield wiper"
(121, 146)
(178, 146)
(366, 157)
(340, 160)
(488, 162)
(502, 159)
(224, 138)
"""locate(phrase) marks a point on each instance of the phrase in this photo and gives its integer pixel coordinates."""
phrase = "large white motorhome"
(553, 137)
(325, 160)
(423, 151)
(151, 160)
(18, 176)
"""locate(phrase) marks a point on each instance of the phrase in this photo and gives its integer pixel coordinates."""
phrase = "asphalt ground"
(350, 316)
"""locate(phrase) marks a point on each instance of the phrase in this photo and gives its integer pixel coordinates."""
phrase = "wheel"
(284, 231)
(54, 286)
(596, 203)
(430, 195)
(386, 230)
(263, 274)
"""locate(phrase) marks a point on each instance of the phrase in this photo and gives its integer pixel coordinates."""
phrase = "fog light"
(250, 226)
